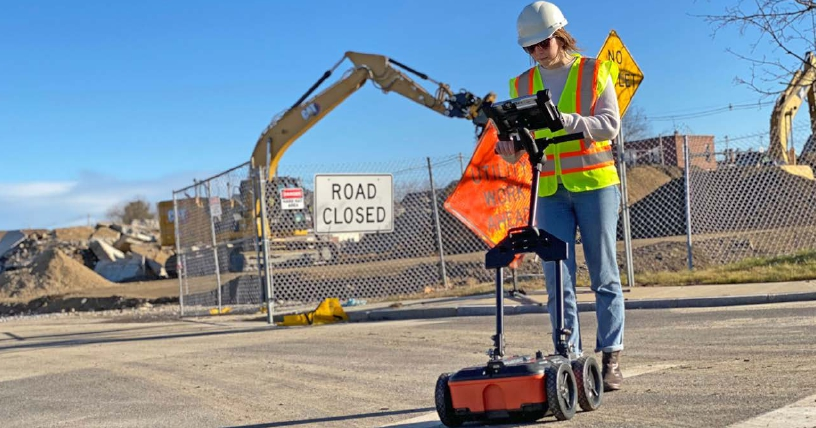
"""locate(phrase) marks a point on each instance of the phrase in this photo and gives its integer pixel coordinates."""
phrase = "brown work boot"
(612, 376)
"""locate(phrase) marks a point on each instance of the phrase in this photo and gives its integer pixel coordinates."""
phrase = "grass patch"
(796, 267)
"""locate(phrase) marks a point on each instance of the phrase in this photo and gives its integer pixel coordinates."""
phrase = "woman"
(579, 183)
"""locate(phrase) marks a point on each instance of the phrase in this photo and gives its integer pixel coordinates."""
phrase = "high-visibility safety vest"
(581, 165)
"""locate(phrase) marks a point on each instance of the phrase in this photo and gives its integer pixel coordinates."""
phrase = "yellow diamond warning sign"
(629, 76)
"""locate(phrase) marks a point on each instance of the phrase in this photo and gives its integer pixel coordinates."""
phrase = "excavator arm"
(290, 125)
(801, 85)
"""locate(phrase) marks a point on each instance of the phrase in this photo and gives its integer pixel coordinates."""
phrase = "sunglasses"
(544, 44)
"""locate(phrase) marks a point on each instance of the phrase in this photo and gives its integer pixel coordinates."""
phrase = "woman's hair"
(570, 45)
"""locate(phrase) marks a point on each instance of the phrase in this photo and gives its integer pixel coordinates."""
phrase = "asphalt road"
(683, 368)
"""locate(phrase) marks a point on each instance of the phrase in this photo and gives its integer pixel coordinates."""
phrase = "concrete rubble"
(117, 252)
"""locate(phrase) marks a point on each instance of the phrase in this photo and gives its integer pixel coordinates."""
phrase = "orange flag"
(493, 195)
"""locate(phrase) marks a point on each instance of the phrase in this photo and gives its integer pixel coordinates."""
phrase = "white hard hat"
(538, 21)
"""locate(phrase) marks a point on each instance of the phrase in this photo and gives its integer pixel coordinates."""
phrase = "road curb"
(490, 310)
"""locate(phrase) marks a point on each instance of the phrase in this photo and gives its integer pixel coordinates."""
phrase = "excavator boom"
(289, 126)
(786, 107)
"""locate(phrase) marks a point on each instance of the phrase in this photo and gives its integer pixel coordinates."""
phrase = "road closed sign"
(354, 203)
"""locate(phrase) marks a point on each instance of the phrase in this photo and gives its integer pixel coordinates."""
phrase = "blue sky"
(103, 101)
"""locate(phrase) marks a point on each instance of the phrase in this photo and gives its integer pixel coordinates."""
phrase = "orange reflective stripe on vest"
(587, 160)
(525, 82)
(579, 164)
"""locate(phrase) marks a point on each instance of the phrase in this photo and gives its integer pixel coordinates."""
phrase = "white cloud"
(46, 205)
(34, 189)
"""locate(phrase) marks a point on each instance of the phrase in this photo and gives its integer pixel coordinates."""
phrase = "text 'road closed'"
(347, 203)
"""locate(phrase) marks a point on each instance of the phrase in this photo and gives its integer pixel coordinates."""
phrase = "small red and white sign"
(215, 206)
(292, 198)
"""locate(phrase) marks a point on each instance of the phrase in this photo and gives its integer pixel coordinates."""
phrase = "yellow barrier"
(328, 311)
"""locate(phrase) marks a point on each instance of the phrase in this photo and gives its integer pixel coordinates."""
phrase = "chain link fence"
(216, 248)
(428, 248)
(695, 202)
(692, 202)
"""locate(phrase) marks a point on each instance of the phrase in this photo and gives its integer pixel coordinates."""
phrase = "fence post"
(267, 275)
(214, 243)
(443, 272)
(627, 229)
(178, 253)
(687, 177)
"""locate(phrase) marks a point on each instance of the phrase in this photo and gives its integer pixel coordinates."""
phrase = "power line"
(689, 110)
(693, 115)
(796, 128)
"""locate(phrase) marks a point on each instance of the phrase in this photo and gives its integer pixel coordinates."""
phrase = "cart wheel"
(590, 383)
(444, 403)
(562, 394)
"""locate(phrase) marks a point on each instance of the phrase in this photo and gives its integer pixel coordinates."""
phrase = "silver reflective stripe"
(587, 89)
(549, 166)
(585, 161)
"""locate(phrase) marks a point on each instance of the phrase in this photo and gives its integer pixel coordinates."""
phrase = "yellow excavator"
(291, 229)
(381, 71)
(787, 105)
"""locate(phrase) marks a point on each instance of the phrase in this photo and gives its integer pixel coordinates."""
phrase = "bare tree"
(136, 209)
(787, 27)
(634, 124)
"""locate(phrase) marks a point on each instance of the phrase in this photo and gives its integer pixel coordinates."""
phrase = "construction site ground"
(741, 366)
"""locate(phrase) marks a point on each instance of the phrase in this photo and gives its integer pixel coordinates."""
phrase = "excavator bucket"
(328, 311)
(803, 171)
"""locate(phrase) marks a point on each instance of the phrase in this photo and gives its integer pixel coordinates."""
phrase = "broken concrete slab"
(142, 237)
(106, 234)
(152, 251)
(124, 242)
(104, 251)
(152, 224)
(131, 268)
(10, 241)
(156, 268)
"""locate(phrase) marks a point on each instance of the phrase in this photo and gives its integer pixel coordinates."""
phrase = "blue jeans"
(595, 212)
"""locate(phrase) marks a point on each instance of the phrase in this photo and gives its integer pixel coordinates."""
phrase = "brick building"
(668, 150)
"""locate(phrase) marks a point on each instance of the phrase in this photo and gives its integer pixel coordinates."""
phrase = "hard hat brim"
(538, 37)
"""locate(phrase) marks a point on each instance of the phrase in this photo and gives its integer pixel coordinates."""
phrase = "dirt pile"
(645, 179)
(118, 253)
(53, 272)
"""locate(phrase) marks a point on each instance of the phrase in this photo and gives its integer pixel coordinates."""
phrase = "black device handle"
(555, 140)
(544, 142)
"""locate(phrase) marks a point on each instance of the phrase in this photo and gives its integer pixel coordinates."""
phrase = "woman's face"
(547, 52)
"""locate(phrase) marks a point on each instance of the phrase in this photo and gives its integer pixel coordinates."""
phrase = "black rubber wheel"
(562, 391)
(444, 403)
(590, 382)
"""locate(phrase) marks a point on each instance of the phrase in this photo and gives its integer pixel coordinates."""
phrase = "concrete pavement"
(743, 367)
